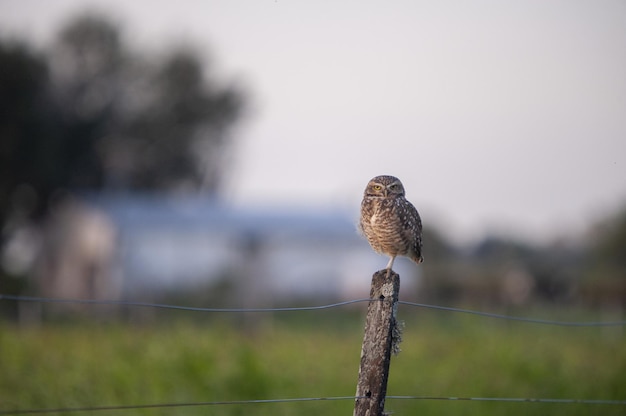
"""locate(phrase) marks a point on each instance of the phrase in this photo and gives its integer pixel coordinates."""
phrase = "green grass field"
(309, 354)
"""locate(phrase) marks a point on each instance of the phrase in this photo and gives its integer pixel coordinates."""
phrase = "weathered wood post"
(381, 338)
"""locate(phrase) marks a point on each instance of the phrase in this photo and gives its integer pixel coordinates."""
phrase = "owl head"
(384, 186)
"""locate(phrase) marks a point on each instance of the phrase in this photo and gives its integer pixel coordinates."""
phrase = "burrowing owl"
(390, 223)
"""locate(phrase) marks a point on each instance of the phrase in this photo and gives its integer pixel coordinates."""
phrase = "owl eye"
(377, 187)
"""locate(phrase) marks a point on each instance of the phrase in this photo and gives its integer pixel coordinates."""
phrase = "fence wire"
(309, 399)
(308, 308)
(172, 405)
(177, 307)
(513, 400)
(513, 318)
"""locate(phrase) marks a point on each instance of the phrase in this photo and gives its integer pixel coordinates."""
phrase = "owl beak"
(386, 192)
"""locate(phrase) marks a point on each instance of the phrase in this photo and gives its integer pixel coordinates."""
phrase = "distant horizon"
(177, 201)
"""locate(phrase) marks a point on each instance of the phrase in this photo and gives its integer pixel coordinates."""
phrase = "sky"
(498, 117)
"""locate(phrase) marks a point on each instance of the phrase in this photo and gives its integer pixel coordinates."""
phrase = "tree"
(152, 123)
(609, 244)
(23, 128)
(90, 113)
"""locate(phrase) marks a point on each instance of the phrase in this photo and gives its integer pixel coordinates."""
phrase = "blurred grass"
(310, 354)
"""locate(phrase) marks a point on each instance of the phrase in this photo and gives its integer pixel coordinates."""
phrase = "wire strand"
(310, 399)
(307, 308)
(170, 405)
(177, 307)
(514, 400)
(514, 318)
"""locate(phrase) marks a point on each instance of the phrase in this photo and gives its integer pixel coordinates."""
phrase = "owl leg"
(390, 264)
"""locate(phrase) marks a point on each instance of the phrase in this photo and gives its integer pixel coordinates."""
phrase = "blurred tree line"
(90, 113)
(500, 271)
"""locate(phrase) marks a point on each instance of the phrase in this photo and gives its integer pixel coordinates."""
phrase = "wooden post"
(380, 340)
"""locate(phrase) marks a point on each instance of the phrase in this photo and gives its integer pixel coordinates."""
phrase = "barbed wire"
(17, 298)
(309, 399)
(514, 400)
(171, 405)
(177, 307)
(513, 318)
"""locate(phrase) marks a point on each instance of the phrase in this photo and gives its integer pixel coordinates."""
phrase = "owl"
(390, 223)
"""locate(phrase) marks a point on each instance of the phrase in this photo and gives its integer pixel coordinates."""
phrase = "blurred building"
(138, 246)
(78, 254)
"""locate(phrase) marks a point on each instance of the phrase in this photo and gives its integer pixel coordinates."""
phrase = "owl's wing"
(413, 232)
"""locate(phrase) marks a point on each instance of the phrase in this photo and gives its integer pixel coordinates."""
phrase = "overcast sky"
(505, 116)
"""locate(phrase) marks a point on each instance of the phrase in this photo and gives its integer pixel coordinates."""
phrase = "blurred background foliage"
(90, 113)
